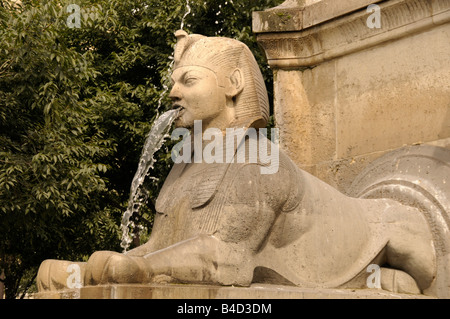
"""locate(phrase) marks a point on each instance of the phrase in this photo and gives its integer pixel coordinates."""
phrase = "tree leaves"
(51, 157)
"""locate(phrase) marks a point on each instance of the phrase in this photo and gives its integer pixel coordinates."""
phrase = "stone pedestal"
(256, 291)
(347, 92)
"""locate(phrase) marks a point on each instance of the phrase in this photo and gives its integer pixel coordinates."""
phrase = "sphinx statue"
(226, 223)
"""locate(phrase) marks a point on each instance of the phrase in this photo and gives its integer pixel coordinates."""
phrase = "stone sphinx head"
(217, 80)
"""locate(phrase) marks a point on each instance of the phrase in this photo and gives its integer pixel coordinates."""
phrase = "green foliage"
(53, 195)
(75, 107)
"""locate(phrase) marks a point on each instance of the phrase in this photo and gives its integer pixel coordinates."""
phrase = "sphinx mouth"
(180, 109)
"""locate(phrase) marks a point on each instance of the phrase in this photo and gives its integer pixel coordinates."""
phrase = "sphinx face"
(196, 91)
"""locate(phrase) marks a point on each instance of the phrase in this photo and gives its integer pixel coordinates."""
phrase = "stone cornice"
(349, 33)
(294, 15)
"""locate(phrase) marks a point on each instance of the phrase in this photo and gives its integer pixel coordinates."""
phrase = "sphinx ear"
(237, 83)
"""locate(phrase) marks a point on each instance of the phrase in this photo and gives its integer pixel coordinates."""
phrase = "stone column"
(353, 82)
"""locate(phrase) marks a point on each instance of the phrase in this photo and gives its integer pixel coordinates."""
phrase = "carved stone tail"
(417, 176)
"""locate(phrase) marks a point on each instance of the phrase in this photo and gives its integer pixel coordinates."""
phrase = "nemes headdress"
(225, 54)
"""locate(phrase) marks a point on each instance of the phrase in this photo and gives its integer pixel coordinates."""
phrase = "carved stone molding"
(316, 41)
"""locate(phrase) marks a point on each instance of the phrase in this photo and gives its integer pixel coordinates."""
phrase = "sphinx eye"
(190, 80)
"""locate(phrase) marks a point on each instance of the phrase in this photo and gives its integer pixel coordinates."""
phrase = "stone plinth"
(345, 93)
(256, 291)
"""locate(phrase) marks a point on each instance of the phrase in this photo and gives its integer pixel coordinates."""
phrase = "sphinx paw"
(108, 267)
(54, 275)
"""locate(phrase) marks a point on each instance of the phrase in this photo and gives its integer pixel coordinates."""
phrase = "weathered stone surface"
(395, 95)
(305, 114)
(345, 93)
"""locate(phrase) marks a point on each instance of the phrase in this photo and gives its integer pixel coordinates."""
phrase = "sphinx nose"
(175, 94)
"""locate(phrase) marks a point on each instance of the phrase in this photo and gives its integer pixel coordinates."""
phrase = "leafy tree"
(75, 107)
(54, 199)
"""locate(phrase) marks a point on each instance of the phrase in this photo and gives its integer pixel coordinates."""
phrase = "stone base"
(256, 291)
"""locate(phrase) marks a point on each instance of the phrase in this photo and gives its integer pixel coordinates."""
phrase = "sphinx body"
(228, 224)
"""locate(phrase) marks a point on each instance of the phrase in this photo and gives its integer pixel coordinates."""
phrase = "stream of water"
(138, 195)
(155, 139)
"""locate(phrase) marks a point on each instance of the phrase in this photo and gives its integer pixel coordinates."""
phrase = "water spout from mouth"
(138, 195)
(153, 142)
(180, 110)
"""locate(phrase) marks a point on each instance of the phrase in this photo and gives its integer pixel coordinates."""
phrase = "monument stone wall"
(353, 82)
